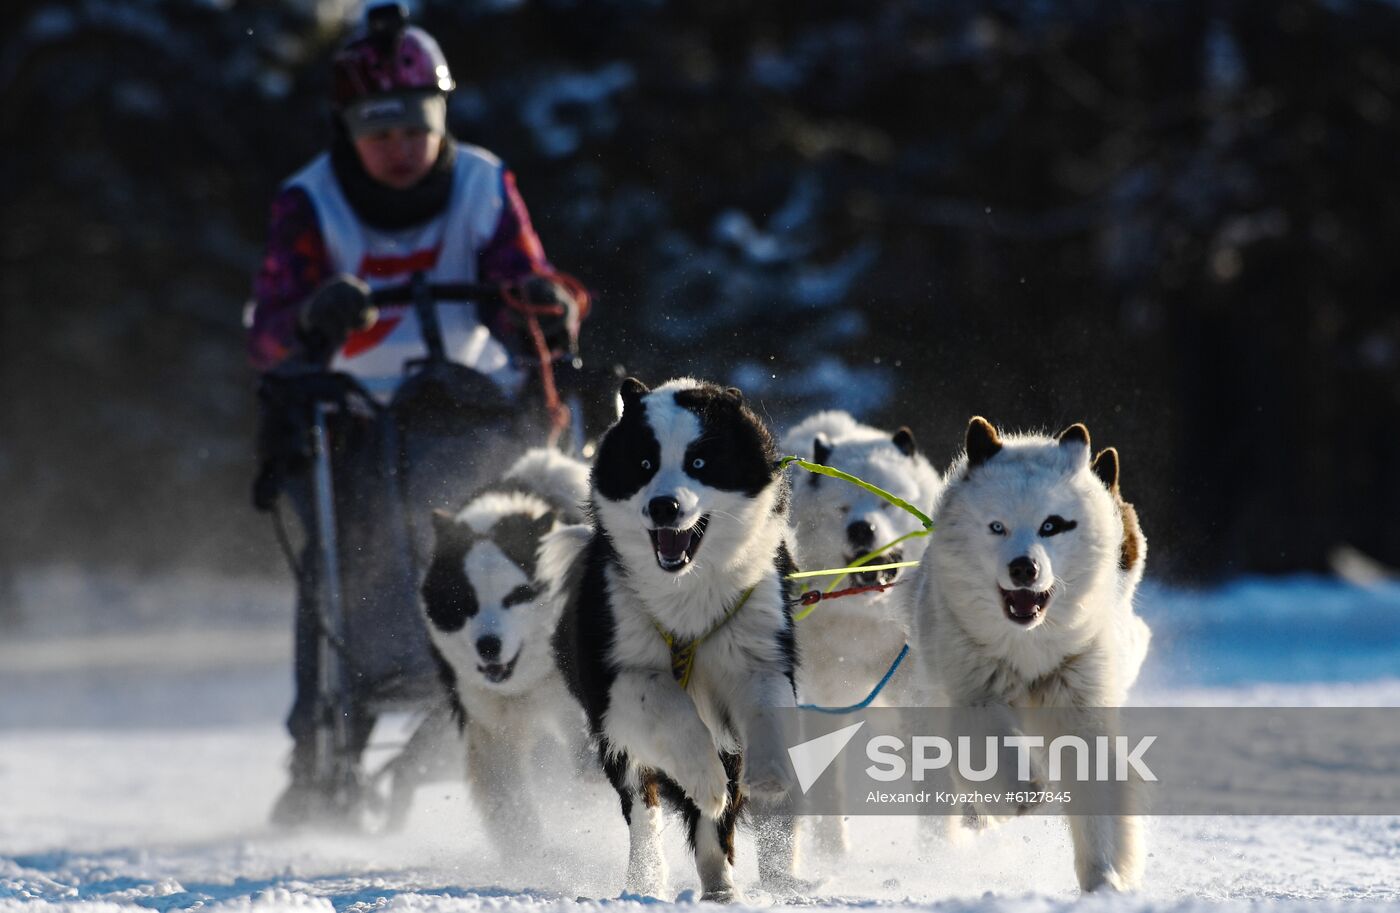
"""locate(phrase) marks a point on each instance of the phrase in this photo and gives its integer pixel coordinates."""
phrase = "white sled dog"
(492, 601)
(679, 639)
(848, 644)
(1018, 606)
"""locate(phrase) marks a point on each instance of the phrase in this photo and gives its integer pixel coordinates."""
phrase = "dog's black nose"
(861, 533)
(489, 647)
(1023, 571)
(663, 511)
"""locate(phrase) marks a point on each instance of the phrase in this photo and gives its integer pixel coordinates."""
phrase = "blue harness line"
(879, 686)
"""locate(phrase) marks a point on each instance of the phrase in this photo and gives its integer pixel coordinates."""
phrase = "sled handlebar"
(440, 292)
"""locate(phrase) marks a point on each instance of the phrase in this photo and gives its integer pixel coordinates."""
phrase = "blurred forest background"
(1175, 221)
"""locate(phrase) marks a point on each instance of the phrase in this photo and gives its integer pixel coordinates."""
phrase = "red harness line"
(812, 597)
(559, 416)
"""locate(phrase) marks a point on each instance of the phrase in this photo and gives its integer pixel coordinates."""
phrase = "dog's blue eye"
(997, 527)
(646, 464)
(697, 463)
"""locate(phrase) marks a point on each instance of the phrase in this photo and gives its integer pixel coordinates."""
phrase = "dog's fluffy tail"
(559, 479)
(559, 557)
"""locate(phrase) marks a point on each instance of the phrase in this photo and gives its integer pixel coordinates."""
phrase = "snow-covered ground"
(141, 747)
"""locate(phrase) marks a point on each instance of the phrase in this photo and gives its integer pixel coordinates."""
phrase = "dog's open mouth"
(877, 578)
(495, 673)
(1024, 606)
(675, 548)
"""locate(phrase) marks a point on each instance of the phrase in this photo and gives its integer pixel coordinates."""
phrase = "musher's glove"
(339, 306)
(561, 328)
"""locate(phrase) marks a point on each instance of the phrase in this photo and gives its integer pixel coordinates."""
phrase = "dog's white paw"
(768, 779)
(706, 782)
(1103, 880)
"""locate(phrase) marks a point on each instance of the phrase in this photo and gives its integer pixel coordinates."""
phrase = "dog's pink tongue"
(672, 543)
(1024, 603)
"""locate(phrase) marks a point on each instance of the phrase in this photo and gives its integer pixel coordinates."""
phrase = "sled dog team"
(642, 606)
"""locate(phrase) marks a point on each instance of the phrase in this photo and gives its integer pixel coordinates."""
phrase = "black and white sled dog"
(679, 639)
(847, 645)
(493, 597)
(1019, 605)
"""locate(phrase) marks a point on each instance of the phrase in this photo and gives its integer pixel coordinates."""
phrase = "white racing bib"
(445, 248)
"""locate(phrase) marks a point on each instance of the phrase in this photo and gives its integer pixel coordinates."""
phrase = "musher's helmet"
(388, 57)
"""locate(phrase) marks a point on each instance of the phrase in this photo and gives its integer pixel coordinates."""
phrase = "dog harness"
(683, 652)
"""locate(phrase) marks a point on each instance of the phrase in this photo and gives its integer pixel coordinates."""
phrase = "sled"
(445, 431)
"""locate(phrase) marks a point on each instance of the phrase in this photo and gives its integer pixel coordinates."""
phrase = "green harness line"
(861, 563)
(819, 469)
(683, 652)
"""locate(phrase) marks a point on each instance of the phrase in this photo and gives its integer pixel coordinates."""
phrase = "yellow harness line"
(842, 571)
(683, 653)
(860, 562)
(855, 567)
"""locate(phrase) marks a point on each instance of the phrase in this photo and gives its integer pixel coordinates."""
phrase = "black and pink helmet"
(389, 56)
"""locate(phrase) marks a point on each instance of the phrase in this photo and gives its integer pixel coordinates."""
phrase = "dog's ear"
(821, 454)
(1105, 466)
(733, 395)
(542, 525)
(904, 441)
(518, 537)
(632, 391)
(1074, 434)
(444, 525)
(983, 442)
(1134, 547)
(448, 535)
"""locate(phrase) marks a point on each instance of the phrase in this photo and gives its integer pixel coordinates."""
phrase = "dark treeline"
(1171, 220)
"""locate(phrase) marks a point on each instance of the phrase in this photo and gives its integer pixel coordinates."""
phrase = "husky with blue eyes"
(492, 597)
(1019, 604)
(679, 639)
